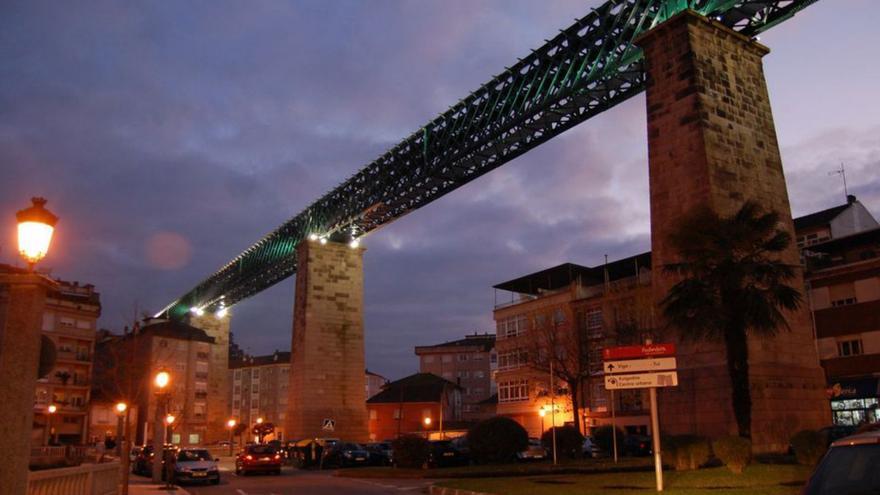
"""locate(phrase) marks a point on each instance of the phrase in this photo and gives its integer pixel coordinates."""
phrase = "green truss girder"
(584, 70)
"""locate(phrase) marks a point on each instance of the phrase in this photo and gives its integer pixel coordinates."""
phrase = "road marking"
(241, 492)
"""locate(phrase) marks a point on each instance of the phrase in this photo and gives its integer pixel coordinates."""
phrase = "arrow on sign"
(640, 365)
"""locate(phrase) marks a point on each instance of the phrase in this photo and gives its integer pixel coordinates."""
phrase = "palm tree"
(733, 285)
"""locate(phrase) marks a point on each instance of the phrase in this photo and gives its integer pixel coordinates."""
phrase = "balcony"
(202, 374)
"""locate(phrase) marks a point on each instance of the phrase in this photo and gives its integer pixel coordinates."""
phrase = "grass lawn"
(759, 479)
(503, 470)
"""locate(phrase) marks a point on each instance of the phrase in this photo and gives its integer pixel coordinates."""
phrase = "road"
(298, 482)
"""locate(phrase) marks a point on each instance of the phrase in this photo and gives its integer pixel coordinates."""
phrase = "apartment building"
(126, 365)
(69, 320)
(844, 279)
(259, 390)
(469, 362)
(579, 311)
(839, 221)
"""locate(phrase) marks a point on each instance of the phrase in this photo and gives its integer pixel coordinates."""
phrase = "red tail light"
(277, 456)
(249, 457)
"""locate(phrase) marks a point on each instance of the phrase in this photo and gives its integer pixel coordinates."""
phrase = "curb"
(442, 490)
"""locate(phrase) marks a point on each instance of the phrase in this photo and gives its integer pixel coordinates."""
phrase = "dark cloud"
(213, 122)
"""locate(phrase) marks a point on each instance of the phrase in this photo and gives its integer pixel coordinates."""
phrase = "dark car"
(143, 461)
(443, 454)
(637, 445)
(195, 465)
(345, 454)
(849, 468)
(381, 453)
(258, 459)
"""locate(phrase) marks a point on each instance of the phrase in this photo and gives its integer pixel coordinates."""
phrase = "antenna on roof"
(842, 173)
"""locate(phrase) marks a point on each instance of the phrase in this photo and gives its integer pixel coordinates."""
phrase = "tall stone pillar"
(22, 302)
(327, 349)
(712, 141)
(219, 390)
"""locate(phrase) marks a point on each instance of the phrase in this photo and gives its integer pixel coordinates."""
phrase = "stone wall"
(327, 363)
(712, 141)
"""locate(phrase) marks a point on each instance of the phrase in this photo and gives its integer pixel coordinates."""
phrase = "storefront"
(855, 402)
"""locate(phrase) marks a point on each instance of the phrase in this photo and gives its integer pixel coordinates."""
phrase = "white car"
(197, 465)
(534, 451)
(589, 448)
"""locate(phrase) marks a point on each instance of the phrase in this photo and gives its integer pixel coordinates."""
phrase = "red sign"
(638, 351)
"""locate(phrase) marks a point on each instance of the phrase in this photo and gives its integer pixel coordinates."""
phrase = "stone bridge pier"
(712, 141)
(327, 347)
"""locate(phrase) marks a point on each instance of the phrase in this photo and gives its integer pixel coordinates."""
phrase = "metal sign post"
(649, 366)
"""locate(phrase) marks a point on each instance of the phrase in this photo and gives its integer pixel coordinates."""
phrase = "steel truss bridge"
(584, 70)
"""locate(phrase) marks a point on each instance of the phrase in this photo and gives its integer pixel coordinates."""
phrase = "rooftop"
(563, 275)
(173, 330)
(485, 341)
(420, 387)
(277, 357)
(823, 217)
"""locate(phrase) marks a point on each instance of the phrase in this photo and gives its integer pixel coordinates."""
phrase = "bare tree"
(554, 340)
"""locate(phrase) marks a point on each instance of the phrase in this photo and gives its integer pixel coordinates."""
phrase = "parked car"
(195, 465)
(443, 454)
(381, 453)
(143, 463)
(834, 433)
(637, 445)
(258, 458)
(345, 454)
(535, 451)
(849, 468)
(589, 448)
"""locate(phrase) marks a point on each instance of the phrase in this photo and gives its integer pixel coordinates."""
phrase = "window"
(463, 374)
(462, 357)
(427, 359)
(594, 323)
(512, 326)
(66, 322)
(255, 373)
(513, 391)
(373, 414)
(478, 356)
(513, 359)
(447, 358)
(479, 374)
(237, 374)
(843, 302)
(849, 347)
(398, 414)
(558, 316)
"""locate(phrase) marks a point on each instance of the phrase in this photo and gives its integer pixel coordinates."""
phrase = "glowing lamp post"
(427, 423)
(50, 413)
(160, 382)
(35, 227)
(120, 407)
(542, 412)
(231, 425)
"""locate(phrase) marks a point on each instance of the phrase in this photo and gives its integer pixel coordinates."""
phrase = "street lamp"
(231, 425)
(50, 412)
(35, 227)
(542, 412)
(120, 426)
(427, 422)
(160, 381)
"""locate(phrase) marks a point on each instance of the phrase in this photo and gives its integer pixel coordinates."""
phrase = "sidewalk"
(147, 487)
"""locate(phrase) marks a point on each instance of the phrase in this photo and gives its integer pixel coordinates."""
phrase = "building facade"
(69, 321)
(374, 383)
(127, 364)
(469, 362)
(578, 311)
(259, 390)
(844, 280)
(403, 407)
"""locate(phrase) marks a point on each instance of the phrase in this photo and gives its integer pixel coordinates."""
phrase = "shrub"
(411, 451)
(809, 446)
(686, 451)
(569, 441)
(497, 439)
(602, 437)
(735, 452)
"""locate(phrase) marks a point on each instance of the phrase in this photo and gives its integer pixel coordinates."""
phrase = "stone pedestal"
(219, 390)
(711, 141)
(22, 302)
(327, 349)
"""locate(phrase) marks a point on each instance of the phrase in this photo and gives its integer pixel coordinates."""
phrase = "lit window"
(513, 391)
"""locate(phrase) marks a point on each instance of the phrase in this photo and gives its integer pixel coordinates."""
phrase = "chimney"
(850, 199)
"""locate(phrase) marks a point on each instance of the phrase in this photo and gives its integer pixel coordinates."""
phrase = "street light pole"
(161, 381)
